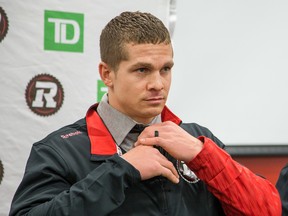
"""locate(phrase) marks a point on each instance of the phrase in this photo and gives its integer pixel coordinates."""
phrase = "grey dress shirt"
(119, 124)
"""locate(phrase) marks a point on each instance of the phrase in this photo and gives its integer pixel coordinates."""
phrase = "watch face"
(186, 174)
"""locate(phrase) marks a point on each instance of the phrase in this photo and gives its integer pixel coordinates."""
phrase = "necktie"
(132, 136)
(138, 128)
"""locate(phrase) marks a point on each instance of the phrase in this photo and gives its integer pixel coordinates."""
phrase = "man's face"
(140, 86)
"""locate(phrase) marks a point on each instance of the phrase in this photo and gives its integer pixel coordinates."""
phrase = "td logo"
(101, 90)
(63, 31)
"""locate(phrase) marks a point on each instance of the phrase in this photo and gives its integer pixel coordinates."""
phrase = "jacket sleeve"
(282, 187)
(240, 191)
(49, 188)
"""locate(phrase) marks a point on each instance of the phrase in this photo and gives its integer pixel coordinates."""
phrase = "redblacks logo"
(1, 171)
(44, 95)
(3, 24)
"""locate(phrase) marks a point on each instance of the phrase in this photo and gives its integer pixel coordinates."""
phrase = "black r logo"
(1, 171)
(44, 95)
(3, 24)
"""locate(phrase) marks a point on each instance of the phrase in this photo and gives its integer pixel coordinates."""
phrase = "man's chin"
(153, 111)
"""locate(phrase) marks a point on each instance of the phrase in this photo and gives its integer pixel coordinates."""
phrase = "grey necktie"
(132, 136)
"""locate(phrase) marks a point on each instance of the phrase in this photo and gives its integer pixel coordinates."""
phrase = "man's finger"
(170, 175)
(169, 170)
(148, 141)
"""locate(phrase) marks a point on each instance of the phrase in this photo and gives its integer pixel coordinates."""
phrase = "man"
(98, 166)
(282, 187)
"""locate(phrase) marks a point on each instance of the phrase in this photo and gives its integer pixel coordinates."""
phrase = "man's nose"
(156, 81)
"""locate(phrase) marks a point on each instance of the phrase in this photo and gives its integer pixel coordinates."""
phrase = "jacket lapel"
(102, 143)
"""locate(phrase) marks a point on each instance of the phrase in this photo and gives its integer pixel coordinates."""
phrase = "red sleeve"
(240, 191)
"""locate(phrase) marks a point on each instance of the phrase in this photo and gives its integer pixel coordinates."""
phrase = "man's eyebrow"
(142, 64)
(148, 65)
(169, 63)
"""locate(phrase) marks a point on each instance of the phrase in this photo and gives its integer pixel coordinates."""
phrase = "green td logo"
(101, 90)
(63, 31)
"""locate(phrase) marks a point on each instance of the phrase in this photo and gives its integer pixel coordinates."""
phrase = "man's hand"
(150, 163)
(173, 139)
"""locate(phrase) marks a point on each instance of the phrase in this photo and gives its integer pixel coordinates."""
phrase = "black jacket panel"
(63, 178)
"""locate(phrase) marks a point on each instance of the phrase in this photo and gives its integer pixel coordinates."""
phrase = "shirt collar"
(118, 123)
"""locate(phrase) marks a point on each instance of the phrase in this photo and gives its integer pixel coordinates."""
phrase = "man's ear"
(106, 74)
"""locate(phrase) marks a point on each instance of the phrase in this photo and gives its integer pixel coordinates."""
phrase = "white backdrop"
(231, 70)
(28, 57)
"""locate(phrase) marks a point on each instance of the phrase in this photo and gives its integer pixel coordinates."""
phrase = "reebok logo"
(63, 31)
(66, 136)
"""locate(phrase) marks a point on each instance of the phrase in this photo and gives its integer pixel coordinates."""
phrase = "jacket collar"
(101, 140)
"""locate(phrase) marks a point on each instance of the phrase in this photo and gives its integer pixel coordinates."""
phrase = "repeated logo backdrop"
(44, 94)
(3, 24)
(64, 31)
(49, 57)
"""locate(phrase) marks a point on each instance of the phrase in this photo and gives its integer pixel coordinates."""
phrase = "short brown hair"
(130, 27)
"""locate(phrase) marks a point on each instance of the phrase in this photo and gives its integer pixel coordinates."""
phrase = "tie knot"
(138, 128)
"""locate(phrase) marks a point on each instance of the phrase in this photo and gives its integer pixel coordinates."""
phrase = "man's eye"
(142, 70)
(166, 69)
